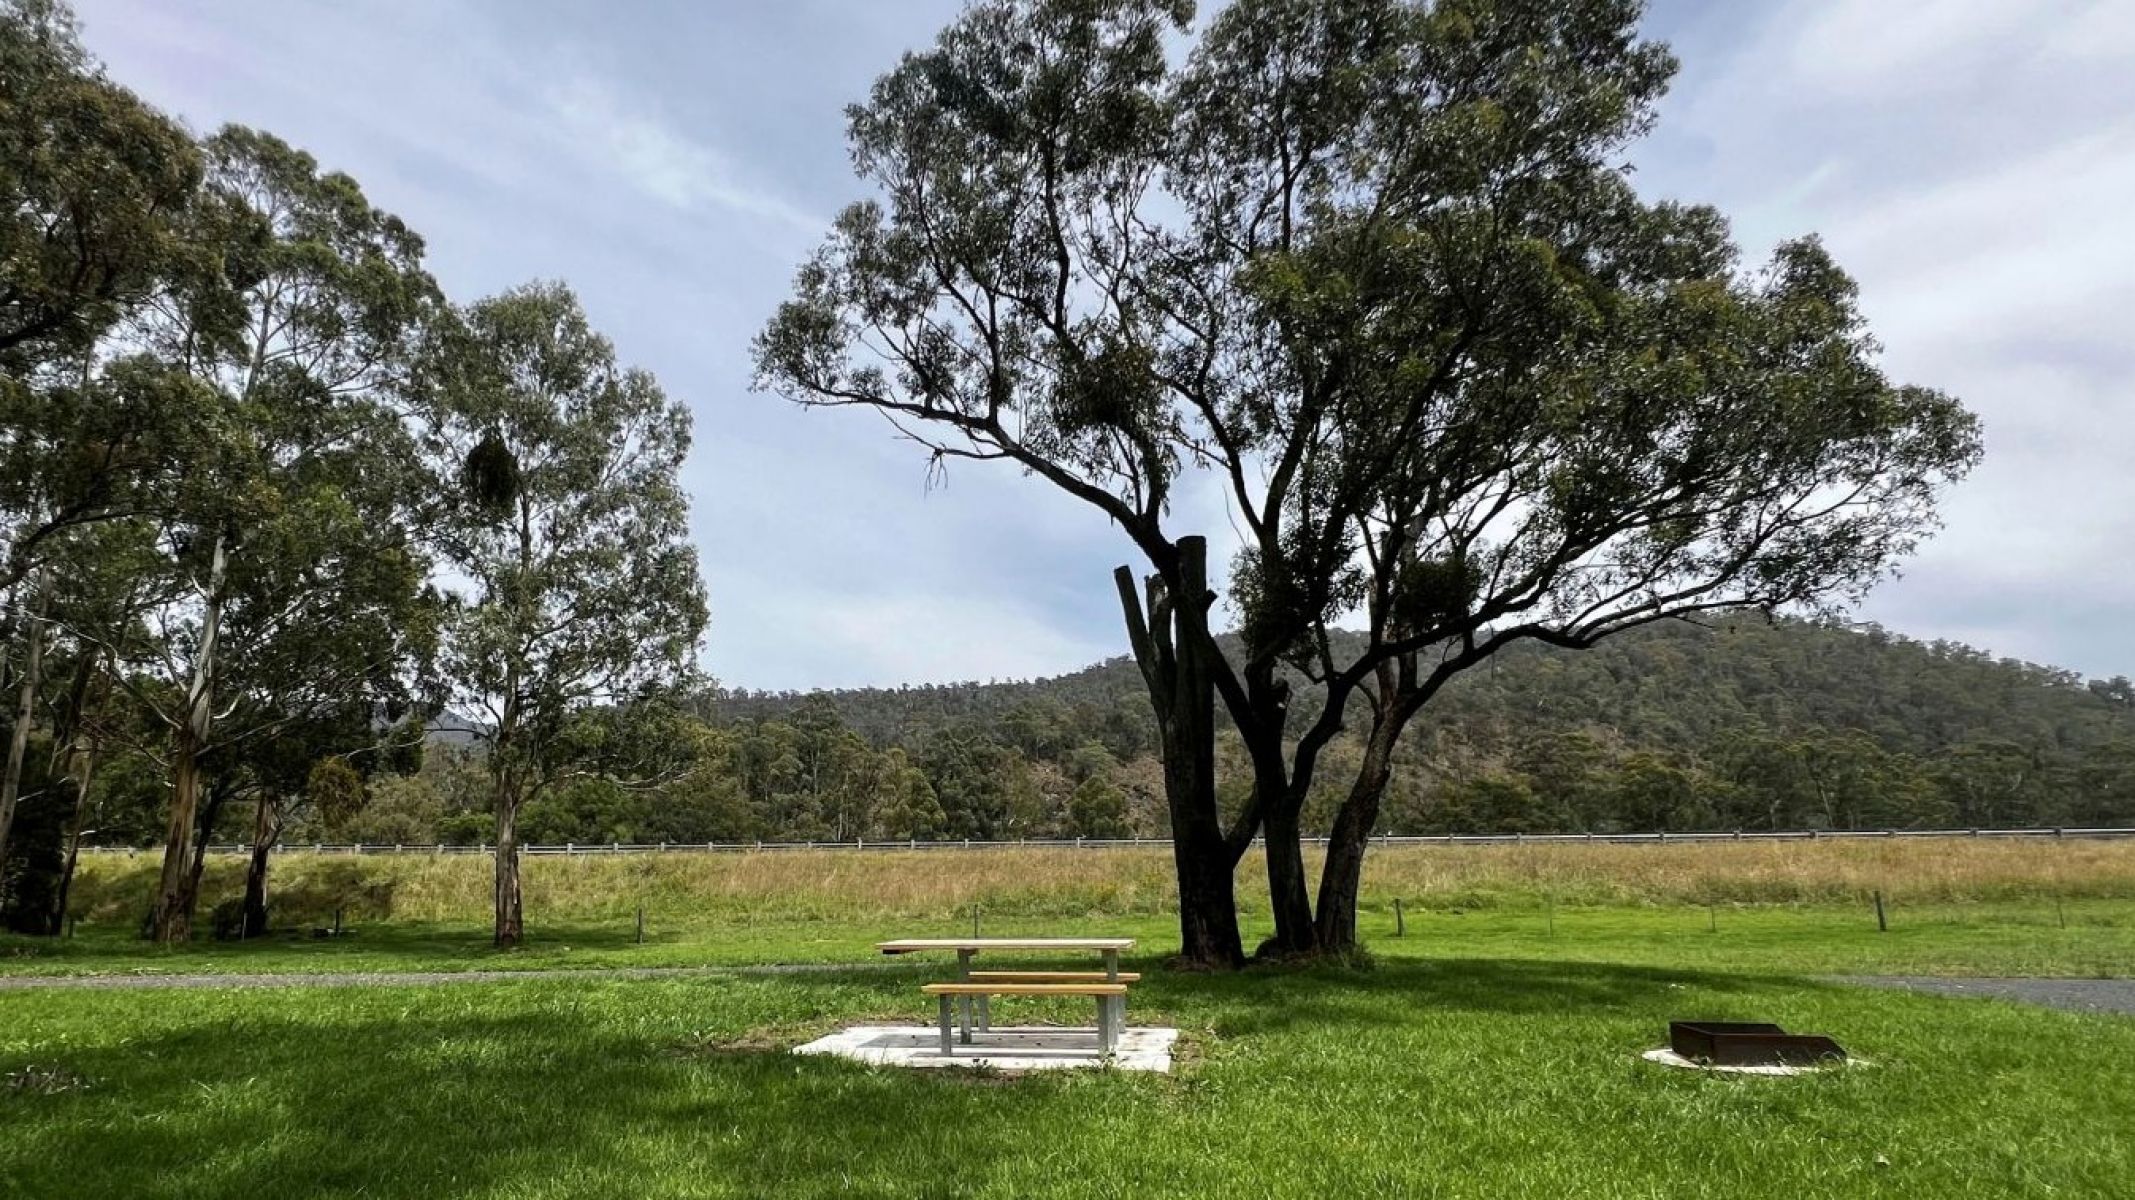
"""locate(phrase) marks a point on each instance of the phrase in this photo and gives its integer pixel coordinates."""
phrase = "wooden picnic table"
(968, 948)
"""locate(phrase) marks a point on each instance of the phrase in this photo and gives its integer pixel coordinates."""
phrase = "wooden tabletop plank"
(1025, 989)
(914, 945)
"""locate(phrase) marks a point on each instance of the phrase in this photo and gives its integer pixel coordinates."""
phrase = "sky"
(1971, 162)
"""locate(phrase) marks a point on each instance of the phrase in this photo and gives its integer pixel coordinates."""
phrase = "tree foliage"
(1376, 268)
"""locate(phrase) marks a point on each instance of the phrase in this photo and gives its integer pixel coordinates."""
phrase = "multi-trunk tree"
(289, 583)
(1376, 269)
(569, 528)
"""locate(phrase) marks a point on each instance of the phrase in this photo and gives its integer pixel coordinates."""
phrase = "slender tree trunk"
(265, 832)
(83, 741)
(1295, 932)
(18, 746)
(204, 832)
(1351, 835)
(511, 920)
(84, 772)
(172, 921)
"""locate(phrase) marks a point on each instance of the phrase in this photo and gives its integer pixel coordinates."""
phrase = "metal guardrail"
(1457, 839)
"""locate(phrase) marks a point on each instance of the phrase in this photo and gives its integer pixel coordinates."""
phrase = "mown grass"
(1489, 1052)
(1982, 938)
(1455, 1076)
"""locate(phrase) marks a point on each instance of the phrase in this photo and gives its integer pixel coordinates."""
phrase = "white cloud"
(1870, 48)
(1970, 161)
(665, 163)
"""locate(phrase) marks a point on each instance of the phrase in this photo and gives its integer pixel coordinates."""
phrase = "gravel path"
(24, 983)
(2076, 995)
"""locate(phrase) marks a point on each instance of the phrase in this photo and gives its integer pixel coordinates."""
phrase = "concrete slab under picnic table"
(1013, 1048)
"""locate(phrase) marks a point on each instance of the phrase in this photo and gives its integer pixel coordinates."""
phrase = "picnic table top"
(912, 945)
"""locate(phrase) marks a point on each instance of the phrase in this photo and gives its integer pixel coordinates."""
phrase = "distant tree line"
(1740, 724)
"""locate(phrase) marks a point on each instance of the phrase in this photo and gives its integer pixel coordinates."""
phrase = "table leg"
(985, 1017)
(963, 974)
(1112, 965)
(945, 1047)
(1106, 1031)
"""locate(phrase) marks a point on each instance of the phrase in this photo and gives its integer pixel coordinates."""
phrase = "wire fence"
(912, 844)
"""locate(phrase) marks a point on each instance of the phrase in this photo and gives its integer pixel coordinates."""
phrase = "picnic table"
(1109, 986)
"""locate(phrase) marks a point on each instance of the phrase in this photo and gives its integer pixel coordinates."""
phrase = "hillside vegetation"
(1746, 724)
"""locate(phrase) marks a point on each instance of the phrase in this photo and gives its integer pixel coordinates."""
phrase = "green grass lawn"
(1483, 1055)
(1981, 938)
(1463, 1072)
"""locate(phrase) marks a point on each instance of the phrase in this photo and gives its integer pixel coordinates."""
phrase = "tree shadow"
(467, 1104)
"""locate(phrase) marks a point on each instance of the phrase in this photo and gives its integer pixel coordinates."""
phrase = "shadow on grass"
(1272, 1000)
(380, 946)
(421, 1104)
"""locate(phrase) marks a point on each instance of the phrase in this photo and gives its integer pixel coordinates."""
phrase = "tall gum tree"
(569, 528)
(290, 577)
(1376, 269)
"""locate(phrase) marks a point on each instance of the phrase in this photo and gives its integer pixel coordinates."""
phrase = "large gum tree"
(1376, 270)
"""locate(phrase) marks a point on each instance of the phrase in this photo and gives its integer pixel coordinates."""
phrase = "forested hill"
(1746, 725)
(1672, 687)
(1745, 722)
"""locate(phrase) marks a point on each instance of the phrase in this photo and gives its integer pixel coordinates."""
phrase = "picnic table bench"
(975, 988)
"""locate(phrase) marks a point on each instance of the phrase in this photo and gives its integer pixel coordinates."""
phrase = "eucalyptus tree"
(1375, 268)
(289, 580)
(92, 181)
(569, 533)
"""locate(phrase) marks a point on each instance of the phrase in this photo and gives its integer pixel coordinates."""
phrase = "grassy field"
(1490, 1052)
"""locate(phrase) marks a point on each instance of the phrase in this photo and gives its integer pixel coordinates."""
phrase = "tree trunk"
(511, 922)
(84, 774)
(204, 832)
(83, 741)
(18, 747)
(265, 832)
(172, 921)
(1346, 843)
(1172, 649)
(1295, 932)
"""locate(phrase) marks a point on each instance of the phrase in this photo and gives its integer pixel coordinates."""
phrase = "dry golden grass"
(841, 885)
